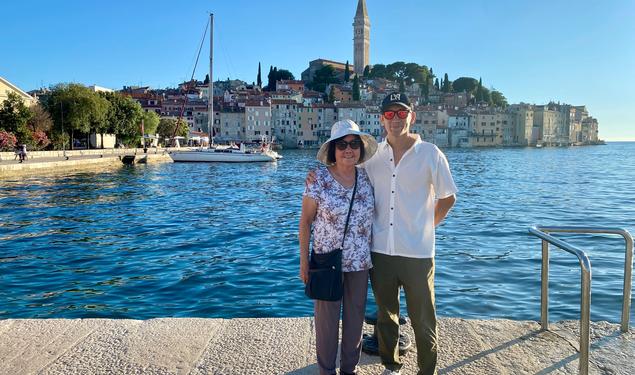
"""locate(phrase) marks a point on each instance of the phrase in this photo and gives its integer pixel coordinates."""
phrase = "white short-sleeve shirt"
(405, 197)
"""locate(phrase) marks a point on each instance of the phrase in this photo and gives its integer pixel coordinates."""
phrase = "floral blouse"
(333, 201)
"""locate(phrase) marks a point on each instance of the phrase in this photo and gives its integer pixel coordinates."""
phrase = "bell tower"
(361, 38)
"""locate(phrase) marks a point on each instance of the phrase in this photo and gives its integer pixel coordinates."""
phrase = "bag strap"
(350, 208)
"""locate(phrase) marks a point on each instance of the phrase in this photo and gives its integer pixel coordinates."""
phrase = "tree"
(14, 116)
(124, 118)
(8, 141)
(150, 122)
(270, 79)
(436, 84)
(347, 72)
(366, 71)
(167, 127)
(402, 86)
(206, 81)
(480, 96)
(331, 97)
(323, 77)
(447, 85)
(467, 84)
(75, 108)
(259, 77)
(284, 74)
(356, 93)
(498, 99)
(39, 125)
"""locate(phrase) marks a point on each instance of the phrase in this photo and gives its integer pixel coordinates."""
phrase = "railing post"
(585, 317)
(628, 275)
(544, 287)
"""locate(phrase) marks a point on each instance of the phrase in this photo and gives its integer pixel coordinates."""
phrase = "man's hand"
(311, 177)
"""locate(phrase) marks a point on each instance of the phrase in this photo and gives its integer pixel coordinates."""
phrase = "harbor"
(43, 162)
(287, 346)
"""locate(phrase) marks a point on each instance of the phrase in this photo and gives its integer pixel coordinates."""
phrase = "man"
(414, 191)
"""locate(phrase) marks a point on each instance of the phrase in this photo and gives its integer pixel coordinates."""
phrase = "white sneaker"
(390, 372)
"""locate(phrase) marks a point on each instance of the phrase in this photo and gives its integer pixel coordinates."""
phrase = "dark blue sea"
(220, 240)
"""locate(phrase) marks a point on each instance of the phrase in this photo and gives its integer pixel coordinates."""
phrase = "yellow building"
(7, 87)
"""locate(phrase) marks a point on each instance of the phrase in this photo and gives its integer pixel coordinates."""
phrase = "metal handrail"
(585, 266)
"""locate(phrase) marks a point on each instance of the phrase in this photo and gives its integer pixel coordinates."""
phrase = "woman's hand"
(304, 270)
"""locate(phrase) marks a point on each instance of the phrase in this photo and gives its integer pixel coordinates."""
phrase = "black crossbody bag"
(325, 270)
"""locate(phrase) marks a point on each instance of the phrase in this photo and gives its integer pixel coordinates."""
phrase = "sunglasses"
(402, 114)
(342, 145)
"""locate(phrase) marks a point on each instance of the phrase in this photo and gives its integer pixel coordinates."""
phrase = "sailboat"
(217, 153)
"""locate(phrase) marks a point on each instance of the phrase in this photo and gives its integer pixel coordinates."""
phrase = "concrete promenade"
(39, 162)
(286, 346)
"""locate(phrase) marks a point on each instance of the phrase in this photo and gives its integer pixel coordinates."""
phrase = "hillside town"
(298, 113)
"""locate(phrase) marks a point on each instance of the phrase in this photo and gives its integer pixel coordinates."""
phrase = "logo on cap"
(395, 97)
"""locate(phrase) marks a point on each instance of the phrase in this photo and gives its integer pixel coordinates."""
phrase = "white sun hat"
(341, 129)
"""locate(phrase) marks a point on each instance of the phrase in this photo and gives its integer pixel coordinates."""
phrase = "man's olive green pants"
(417, 278)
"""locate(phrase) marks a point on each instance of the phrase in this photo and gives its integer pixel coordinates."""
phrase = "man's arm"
(442, 208)
(309, 210)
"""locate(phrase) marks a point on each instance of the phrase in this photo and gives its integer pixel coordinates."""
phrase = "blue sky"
(576, 52)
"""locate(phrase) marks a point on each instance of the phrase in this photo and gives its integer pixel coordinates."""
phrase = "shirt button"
(393, 175)
(390, 224)
(392, 208)
(393, 192)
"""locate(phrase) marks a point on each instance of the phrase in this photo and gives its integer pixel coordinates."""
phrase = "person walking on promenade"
(338, 187)
(22, 153)
(414, 191)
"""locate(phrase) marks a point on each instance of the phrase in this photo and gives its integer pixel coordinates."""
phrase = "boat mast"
(210, 104)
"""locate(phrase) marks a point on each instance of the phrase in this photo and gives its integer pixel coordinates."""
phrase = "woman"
(325, 205)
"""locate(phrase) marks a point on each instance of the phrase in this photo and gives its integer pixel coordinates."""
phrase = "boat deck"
(286, 346)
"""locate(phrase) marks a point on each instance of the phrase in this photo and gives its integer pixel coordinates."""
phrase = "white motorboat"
(216, 153)
(225, 154)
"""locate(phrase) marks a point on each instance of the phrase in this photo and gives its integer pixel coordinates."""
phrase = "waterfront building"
(458, 128)
(258, 120)
(310, 97)
(355, 111)
(327, 116)
(371, 124)
(308, 127)
(522, 122)
(550, 122)
(95, 88)
(295, 96)
(293, 85)
(590, 130)
(361, 38)
(429, 118)
(341, 92)
(454, 99)
(484, 130)
(285, 120)
(505, 123)
(7, 87)
(315, 65)
(231, 124)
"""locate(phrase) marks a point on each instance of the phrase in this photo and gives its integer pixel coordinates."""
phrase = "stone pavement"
(287, 346)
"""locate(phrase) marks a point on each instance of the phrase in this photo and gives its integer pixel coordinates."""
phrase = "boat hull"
(220, 157)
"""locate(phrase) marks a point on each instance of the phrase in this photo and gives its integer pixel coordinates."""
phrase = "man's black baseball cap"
(397, 98)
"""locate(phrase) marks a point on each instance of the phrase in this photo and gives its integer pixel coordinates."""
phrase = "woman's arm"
(309, 210)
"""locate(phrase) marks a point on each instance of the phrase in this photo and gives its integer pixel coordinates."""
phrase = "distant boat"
(225, 154)
(216, 153)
